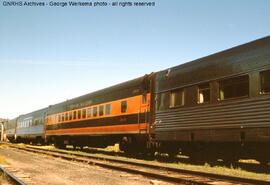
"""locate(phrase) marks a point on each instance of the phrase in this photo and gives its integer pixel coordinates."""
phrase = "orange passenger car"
(118, 114)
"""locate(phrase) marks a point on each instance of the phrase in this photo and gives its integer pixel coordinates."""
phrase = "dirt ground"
(41, 169)
(3, 180)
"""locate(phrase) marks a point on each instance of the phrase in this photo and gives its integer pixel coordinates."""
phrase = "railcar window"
(123, 106)
(101, 110)
(204, 93)
(89, 112)
(70, 115)
(163, 101)
(234, 87)
(84, 113)
(144, 98)
(79, 114)
(108, 109)
(177, 98)
(265, 81)
(59, 118)
(74, 114)
(66, 117)
(95, 111)
(63, 117)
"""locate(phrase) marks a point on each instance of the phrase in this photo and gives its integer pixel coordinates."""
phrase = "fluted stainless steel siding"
(227, 115)
(31, 131)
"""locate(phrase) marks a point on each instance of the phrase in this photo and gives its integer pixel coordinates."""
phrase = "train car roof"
(231, 51)
(233, 61)
(123, 90)
(43, 110)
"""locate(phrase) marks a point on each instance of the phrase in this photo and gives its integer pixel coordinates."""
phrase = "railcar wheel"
(230, 158)
(172, 155)
(130, 146)
(230, 161)
(74, 146)
(39, 141)
(59, 144)
(264, 162)
(197, 158)
(125, 144)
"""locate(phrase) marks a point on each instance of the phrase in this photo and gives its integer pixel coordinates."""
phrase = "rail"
(11, 177)
(151, 170)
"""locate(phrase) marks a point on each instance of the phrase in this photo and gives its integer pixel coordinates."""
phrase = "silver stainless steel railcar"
(30, 127)
(217, 106)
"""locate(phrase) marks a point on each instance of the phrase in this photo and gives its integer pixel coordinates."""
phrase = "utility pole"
(2, 134)
(2, 131)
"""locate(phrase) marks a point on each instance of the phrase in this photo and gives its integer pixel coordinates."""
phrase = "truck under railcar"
(217, 106)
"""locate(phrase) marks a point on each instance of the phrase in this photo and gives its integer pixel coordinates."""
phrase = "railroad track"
(248, 166)
(12, 178)
(165, 173)
(253, 167)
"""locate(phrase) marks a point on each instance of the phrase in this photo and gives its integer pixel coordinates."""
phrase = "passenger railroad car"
(30, 127)
(217, 106)
(116, 114)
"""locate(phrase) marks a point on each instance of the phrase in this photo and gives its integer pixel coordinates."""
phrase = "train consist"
(216, 107)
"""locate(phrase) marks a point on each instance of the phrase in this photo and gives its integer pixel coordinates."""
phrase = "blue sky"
(50, 54)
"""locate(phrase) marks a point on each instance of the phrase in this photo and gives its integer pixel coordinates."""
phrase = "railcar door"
(143, 116)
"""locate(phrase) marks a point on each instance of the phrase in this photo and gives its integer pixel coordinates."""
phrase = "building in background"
(2, 129)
